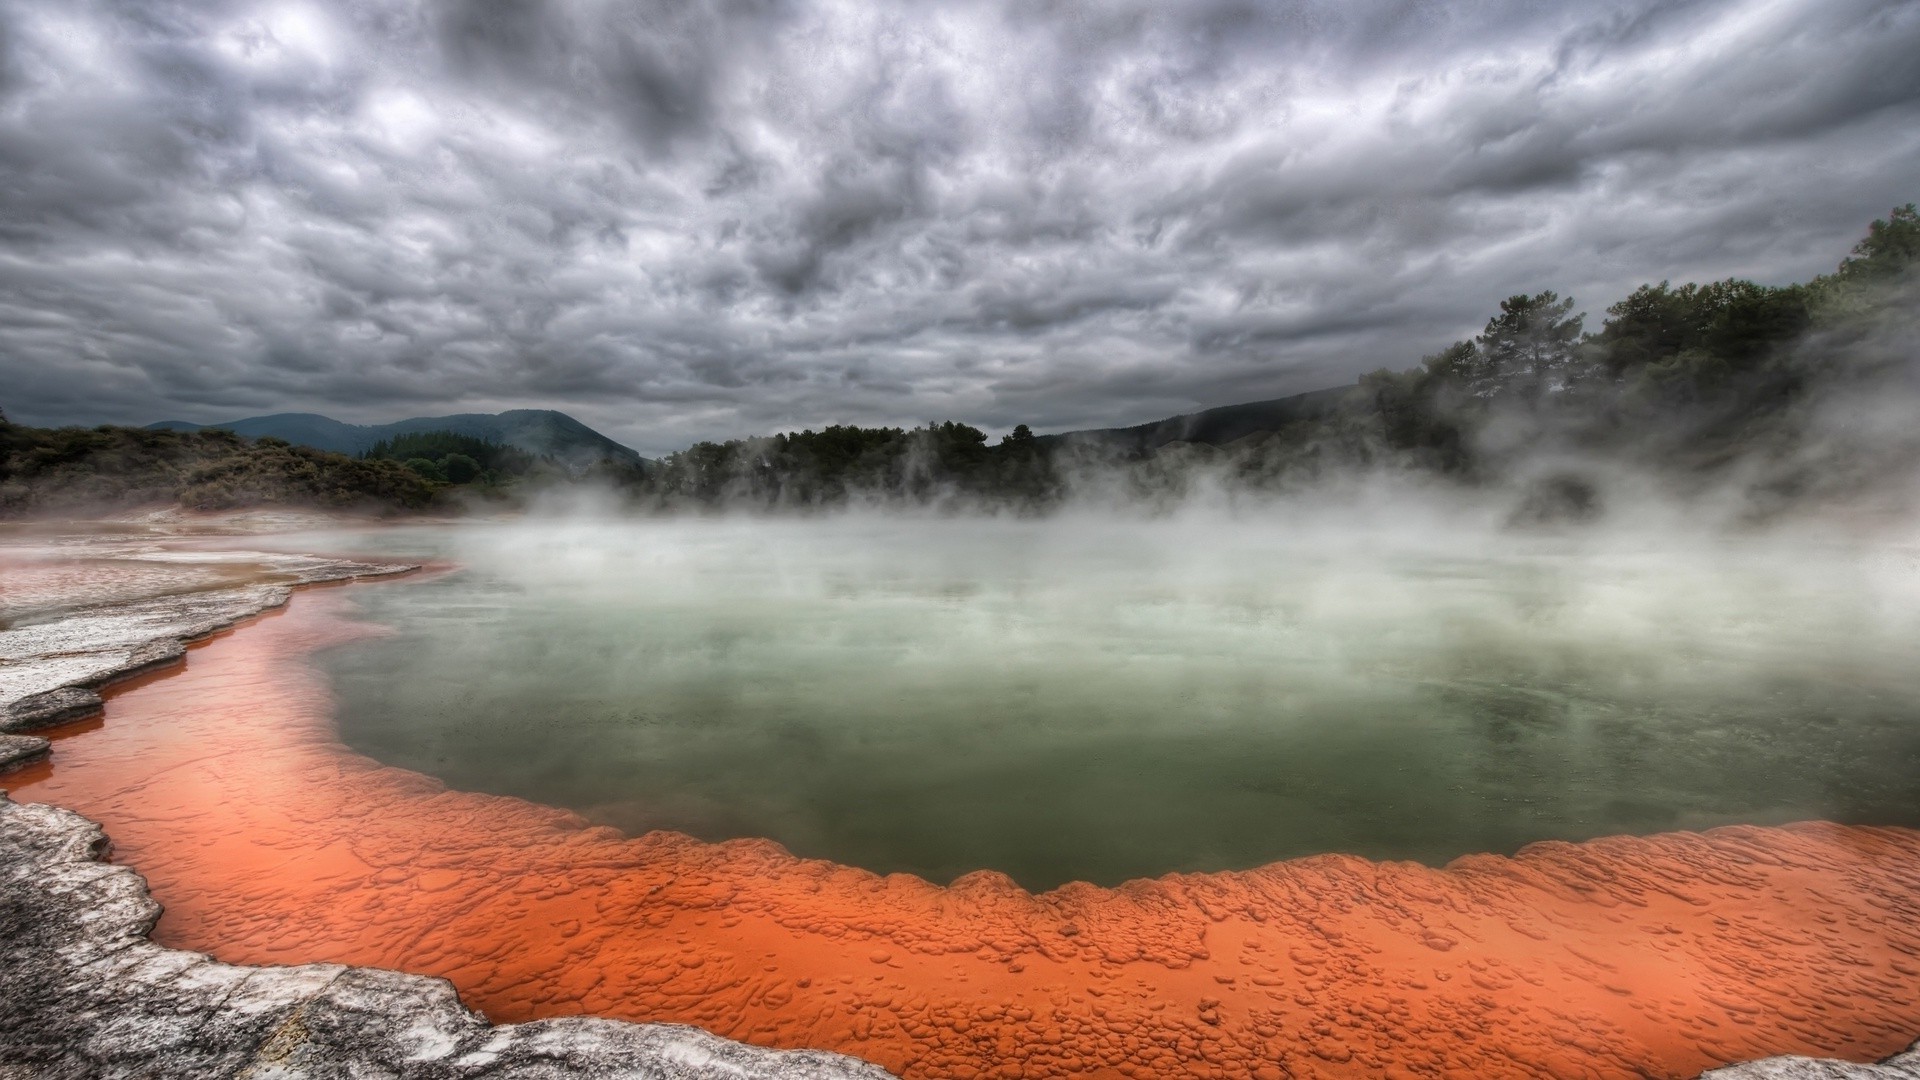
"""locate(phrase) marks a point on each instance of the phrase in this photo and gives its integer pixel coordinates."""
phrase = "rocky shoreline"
(89, 996)
(1902, 1066)
(55, 660)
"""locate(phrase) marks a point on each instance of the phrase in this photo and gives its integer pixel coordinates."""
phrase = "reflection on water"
(1095, 701)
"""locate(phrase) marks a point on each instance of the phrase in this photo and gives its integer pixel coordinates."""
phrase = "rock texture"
(49, 708)
(1905, 1066)
(1628, 957)
(86, 995)
(74, 624)
(18, 750)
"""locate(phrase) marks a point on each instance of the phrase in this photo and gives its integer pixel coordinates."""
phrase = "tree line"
(1675, 377)
(846, 463)
(1690, 380)
(448, 457)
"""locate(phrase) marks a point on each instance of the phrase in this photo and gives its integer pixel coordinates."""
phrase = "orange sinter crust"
(268, 842)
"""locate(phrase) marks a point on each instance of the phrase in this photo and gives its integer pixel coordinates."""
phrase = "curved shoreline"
(56, 664)
(1184, 930)
(77, 930)
(89, 995)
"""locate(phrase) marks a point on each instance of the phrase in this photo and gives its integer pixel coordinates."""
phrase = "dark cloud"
(682, 219)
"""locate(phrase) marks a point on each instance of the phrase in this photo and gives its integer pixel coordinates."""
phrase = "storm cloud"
(708, 218)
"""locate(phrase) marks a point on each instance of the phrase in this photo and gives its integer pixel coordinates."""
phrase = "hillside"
(1216, 426)
(540, 432)
(76, 471)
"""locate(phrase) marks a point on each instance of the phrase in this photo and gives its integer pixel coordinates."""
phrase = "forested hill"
(543, 433)
(1217, 426)
(408, 466)
(85, 471)
(82, 471)
(1782, 392)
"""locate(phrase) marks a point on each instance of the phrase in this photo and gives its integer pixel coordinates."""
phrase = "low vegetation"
(85, 470)
(46, 471)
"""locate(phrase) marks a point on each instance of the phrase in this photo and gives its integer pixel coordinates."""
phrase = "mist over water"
(1092, 697)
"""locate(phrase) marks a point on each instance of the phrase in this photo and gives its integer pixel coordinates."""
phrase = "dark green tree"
(426, 469)
(1457, 363)
(1655, 322)
(496, 458)
(1744, 322)
(1529, 346)
(459, 469)
(1890, 247)
(1697, 337)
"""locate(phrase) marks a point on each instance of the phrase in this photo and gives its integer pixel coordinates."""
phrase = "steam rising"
(1725, 406)
(1446, 614)
(1099, 697)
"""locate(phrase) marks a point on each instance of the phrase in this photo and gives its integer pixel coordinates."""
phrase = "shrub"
(459, 469)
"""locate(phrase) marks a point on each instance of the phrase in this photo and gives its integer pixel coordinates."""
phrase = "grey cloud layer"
(684, 219)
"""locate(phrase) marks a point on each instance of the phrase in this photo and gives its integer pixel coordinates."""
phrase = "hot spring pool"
(1101, 700)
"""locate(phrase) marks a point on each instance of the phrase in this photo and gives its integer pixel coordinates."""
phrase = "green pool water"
(1103, 699)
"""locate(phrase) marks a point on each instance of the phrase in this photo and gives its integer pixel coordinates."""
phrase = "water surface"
(1100, 700)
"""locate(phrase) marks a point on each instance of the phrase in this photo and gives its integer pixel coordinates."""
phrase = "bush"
(459, 469)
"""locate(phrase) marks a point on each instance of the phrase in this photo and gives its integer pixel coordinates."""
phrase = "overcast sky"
(686, 219)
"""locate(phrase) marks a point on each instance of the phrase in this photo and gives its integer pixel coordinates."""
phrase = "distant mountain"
(1215, 427)
(537, 431)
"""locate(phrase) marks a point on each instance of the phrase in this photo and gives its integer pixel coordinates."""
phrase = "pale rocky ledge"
(1901, 1066)
(76, 618)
